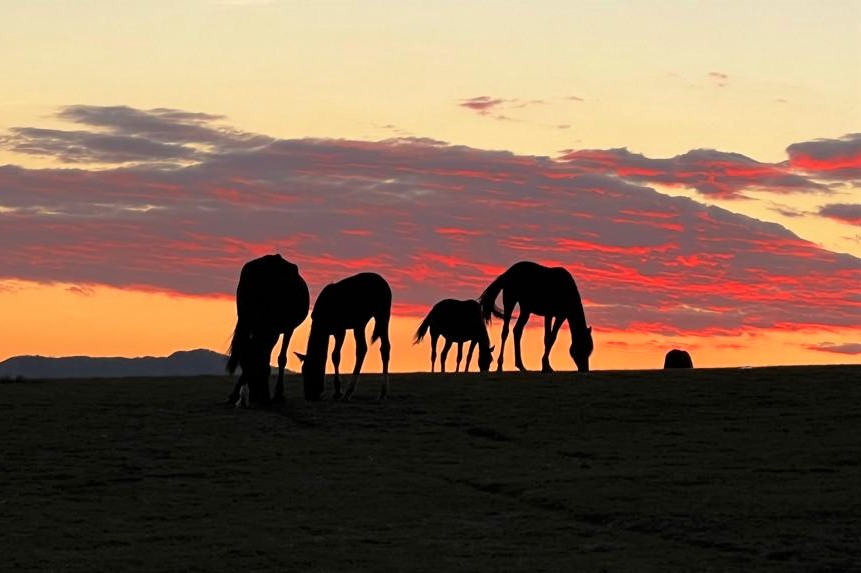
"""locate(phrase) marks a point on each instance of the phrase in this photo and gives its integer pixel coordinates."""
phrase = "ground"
(697, 470)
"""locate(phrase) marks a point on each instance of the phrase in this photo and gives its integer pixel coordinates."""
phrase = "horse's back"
(541, 289)
(457, 319)
(354, 300)
(270, 288)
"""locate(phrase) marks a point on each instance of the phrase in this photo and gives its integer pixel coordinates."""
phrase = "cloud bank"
(176, 201)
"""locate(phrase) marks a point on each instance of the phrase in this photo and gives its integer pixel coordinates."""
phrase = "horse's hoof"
(278, 399)
(337, 396)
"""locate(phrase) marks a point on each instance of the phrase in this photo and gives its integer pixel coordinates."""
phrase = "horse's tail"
(487, 300)
(381, 325)
(239, 337)
(423, 327)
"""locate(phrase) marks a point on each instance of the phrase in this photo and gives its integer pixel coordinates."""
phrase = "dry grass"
(704, 470)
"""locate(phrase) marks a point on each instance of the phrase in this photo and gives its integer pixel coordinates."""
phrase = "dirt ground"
(703, 470)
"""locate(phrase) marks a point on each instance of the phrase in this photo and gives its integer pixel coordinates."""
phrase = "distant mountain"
(182, 363)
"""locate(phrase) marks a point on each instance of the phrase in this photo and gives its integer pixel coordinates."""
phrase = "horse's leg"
(234, 396)
(385, 354)
(361, 351)
(459, 356)
(336, 362)
(550, 333)
(469, 355)
(518, 333)
(444, 355)
(505, 320)
(258, 375)
(282, 364)
(434, 340)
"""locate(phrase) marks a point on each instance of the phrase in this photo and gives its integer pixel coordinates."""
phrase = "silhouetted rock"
(183, 363)
(676, 358)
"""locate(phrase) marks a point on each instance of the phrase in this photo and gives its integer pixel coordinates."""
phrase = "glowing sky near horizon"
(696, 167)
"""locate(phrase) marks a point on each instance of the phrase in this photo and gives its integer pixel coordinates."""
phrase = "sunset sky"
(695, 165)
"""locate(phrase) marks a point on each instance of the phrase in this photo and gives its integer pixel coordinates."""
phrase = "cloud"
(844, 212)
(482, 104)
(719, 79)
(846, 348)
(828, 158)
(125, 135)
(491, 107)
(81, 290)
(437, 220)
(712, 173)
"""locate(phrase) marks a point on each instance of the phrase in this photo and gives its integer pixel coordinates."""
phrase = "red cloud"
(437, 220)
(828, 158)
(482, 104)
(711, 172)
(843, 212)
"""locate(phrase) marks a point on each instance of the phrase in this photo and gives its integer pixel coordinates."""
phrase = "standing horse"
(458, 321)
(271, 299)
(545, 291)
(348, 304)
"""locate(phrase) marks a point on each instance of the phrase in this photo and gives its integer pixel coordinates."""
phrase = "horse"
(546, 291)
(458, 321)
(348, 304)
(271, 299)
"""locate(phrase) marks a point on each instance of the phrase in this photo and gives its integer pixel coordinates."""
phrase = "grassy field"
(703, 470)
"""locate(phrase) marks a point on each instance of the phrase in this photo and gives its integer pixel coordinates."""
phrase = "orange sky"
(696, 167)
(103, 321)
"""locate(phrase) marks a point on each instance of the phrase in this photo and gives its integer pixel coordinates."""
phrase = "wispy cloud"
(719, 79)
(844, 212)
(846, 348)
(438, 220)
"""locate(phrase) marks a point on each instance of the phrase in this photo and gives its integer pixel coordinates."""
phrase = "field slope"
(620, 471)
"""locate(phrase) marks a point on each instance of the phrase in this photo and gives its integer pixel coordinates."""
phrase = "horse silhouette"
(545, 291)
(271, 299)
(457, 321)
(348, 304)
(676, 358)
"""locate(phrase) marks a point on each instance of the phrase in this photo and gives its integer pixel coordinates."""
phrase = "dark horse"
(271, 299)
(545, 291)
(347, 304)
(458, 321)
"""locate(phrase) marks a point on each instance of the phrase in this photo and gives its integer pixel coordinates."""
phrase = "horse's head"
(485, 357)
(313, 374)
(581, 348)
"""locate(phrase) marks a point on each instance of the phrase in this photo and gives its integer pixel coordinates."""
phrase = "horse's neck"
(318, 340)
(483, 338)
(576, 317)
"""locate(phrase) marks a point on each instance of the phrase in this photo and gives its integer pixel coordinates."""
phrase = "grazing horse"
(545, 291)
(458, 321)
(271, 299)
(348, 304)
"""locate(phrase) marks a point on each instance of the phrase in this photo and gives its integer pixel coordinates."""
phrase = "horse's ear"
(589, 330)
(301, 357)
